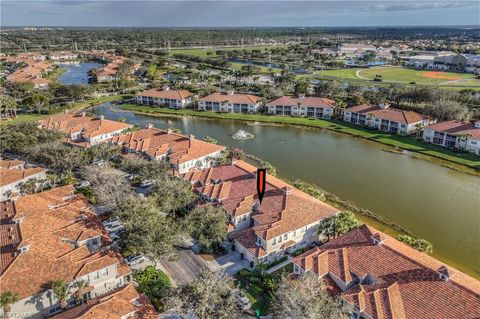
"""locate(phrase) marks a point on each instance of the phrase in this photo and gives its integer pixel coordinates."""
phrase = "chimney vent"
(301, 96)
(287, 191)
(230, 92)
(169, 131)
(383, 105)
(101, 117)
(477, 124)
(149, 125)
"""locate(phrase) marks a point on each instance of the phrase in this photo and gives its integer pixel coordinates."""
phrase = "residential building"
(287, 219)
(455, 134)
(14, 173)
(385, 118)
(230, 102)
(311, 106)
(122, 303)
(62, 55)
(174, 99)
(84, 131)
(183, 152)
(30, 70)
(54, 235)
(385, 278)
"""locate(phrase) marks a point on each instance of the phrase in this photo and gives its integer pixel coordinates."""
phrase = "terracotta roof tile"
(389, 113)
(167, 94)
(308, 101)
(456, 128)
(10, 176)
(231, 98)
(404, 283)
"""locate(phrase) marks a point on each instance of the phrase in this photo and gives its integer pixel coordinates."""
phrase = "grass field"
(402, 75)
(422, 150)
(212, 52)
(75, 107)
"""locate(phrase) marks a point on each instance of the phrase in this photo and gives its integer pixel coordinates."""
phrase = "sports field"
(402, 75)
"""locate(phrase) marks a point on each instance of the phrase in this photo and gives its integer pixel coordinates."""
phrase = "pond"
(433, 202)
(77, 73)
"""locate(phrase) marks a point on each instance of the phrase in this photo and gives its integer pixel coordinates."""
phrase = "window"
(96, 275)
(54, 310)
(285, 236)
(274, 242)
(105, 272)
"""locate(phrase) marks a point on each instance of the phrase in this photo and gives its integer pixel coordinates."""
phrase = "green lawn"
(407, 143)
(263, 69)
(75, 107)
(212, 52)
(55, 74)
(403, 75)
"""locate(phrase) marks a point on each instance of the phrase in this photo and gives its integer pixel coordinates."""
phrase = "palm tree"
(79, 285)
(61, 291)
(6, 299)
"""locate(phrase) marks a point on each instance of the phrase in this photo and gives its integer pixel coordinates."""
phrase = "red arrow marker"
(261, 179)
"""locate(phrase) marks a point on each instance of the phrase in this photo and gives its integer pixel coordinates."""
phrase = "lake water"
(77, 73)
(434, 202)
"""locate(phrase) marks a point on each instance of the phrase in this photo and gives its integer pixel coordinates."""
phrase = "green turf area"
(56, 73)
(403, 75)
(263, 69)
(75, 107)
(406, 143)
(212, 52)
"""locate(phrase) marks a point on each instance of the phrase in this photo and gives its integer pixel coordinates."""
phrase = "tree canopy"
(338, 224)
(208, 225)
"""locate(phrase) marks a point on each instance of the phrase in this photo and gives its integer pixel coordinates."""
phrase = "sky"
(239, 13)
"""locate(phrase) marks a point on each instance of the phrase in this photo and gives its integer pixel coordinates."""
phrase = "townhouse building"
(230, 102)
(62, 55)
(385, 118)
(183, 152)
(174, 99)
(14, 173)
(315, 107)
(459, 135)
(84, 131)
(124, 302)
(49, 236)
(287, 219)
(385, 278)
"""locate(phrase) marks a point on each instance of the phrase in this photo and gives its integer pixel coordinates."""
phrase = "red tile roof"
(457, 128)
(167, 94)
(235, 98)
(47, 219)
(118, 304)
(156, 142)
(404, 283)
(283, 209)
(309, 101)
(8, 164)
(10, 176)
(389, 113)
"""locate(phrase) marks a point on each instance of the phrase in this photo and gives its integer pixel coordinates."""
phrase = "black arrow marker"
(261, 178)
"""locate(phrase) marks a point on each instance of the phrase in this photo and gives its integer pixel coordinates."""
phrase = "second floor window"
(96, 275)
(105, 272)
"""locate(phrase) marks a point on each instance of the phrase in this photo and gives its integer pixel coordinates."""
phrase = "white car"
(98, 162)
(146, 183)
(243, 302)
(134, 260)
(83, 184)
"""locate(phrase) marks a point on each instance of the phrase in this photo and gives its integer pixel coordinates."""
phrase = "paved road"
(186, 268)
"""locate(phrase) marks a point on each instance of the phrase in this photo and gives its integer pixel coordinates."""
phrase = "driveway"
(186, 268)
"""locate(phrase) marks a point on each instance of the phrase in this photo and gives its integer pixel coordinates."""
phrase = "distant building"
(316, 107)
(455, 134)
(385, 118)
(174, 99)
(286, 220)
(62, 55)
(183, 152)
(384, 278)
(230, 102)
(53, 235)
(13, 173)
(84, 131)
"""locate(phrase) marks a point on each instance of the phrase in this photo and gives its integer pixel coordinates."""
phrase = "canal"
(77, 73)
(433, 202)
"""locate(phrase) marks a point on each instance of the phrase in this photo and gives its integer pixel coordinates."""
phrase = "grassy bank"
(55, 74)
(74, 107)
(423, 150)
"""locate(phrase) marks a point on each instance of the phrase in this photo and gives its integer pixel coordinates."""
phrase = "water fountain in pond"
(242, 135)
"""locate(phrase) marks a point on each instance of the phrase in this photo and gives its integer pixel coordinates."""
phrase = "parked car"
(83, 184)
(134, 260)
(98, 162)
(111, 221)
(131, 177)
(243, 303)
(114, 228)
(147, 183)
